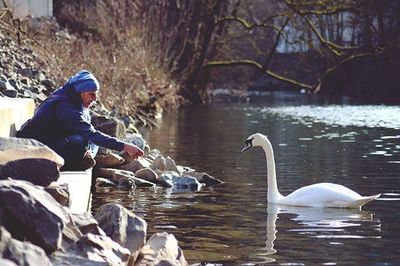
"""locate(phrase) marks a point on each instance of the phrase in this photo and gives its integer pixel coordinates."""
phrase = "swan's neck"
(273, 192)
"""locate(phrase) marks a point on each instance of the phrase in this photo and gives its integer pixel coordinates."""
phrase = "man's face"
(88, 97)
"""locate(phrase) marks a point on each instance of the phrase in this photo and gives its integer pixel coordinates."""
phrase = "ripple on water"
(361, 116)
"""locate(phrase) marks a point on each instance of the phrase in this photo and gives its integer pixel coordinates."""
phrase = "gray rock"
(109, 160)
(29, 160)
(126, 183)
(123, 226)
(136, 139)
(32, 214)
(159, 249)
(111, 126)
(10, 93)
(205, 178)
(60, 192)
(5, 85)
(14, 252)
(104, 182)
(87, 224)
(101, 250)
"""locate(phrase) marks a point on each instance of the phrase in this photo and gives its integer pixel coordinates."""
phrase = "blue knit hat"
(84, 81)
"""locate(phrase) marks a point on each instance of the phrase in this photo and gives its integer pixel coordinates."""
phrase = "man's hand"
(133, 150)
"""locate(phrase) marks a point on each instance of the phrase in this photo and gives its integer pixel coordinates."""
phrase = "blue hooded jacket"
(62, 114)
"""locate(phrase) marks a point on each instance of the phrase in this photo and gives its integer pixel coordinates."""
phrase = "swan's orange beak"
(247, 145)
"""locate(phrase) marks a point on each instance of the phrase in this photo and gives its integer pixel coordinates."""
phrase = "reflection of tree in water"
(322, 222)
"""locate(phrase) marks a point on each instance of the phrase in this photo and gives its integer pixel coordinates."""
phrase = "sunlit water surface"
(357, 146)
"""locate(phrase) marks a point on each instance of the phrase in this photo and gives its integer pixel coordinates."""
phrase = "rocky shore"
(36, 224)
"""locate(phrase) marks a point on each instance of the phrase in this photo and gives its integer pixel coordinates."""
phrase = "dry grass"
(131, 81)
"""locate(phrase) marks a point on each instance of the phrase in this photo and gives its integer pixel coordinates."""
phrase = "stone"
(14, 252)
(158, 163)
(10, 93)
(170, 165)
(147, 174)
(109, 160)
(111, 126)
(161, 247)
(87, 223)
(60, 192)
(29, 160)
(123, 226)
(104, 182)
(28, 212)
(100, 249)
(136, 165)
(126, 183)
(136, 139)
(204, 178)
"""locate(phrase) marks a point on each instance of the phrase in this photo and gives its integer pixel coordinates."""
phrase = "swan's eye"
(248, 142)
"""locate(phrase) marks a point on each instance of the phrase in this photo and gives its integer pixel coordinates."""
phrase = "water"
(356, 146)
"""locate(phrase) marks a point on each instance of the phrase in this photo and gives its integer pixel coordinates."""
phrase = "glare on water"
(232, 223)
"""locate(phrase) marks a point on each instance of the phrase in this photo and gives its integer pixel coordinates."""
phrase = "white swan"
(316, 195)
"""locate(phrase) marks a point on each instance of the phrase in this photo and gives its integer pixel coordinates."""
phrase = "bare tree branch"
(259, 66)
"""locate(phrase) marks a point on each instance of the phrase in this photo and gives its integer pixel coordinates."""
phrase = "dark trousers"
(72, 149)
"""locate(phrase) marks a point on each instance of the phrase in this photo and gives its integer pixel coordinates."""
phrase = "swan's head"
(254, 140)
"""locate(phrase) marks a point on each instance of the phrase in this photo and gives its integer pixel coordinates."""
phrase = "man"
(63, 123)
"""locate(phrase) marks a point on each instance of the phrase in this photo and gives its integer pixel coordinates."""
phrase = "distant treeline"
(343, 47)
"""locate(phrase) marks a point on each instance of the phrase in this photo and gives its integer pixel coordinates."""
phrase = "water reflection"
(228, 224)
(328, 223)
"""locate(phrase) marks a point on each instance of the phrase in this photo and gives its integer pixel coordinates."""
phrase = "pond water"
(232, 223)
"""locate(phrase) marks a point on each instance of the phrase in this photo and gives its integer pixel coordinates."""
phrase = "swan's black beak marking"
(247, 145)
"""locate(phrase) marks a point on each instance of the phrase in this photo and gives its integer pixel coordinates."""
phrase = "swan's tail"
(365, 200)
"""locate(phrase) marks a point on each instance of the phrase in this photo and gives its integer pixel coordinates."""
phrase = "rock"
(153, 154)
(111, 126)
(87, 223)
(123, 226)
(136, 139)
(117, 174)
(170, 165)
(49, 84)
(205, 178)
(14, 252)
(109, 160)
(147, 174)
(32, 214)
(161, 247)
(30, 160)
(126, 183)
(186, 181)
(113, 174)
(5, 85)
(127, 158)
(104, 182)
(136, 165)
(60, 192)
(100, 249)
(158, 163)
(37, 171)
(5, 262)
(181, 182)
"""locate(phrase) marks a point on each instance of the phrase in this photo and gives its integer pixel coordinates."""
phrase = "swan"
(316, 195)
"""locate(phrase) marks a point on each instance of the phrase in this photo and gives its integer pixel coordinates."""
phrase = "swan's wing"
(324, 195)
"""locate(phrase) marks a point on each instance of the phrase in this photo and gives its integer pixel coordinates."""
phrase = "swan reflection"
(314, 222)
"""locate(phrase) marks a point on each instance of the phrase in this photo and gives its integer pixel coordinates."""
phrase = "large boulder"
(100, 249)
(122, 226)
(161, 249)
(30, 213)
(29, 160)
(20, 253)
(109, 160)
(108, 125)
